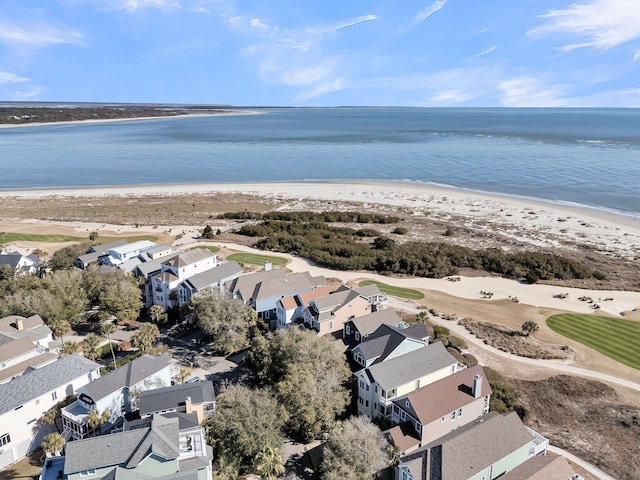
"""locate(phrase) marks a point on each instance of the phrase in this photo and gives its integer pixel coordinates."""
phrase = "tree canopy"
(145, 337)
(225, 320)
(306, 373)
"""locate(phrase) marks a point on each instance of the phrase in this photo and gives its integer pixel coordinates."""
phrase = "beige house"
(198, 398)
(328, 314)
(431, 412)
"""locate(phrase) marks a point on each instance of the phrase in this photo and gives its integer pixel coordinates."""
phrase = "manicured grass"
(256, 259)
(395, 291)
(32, 237)
(211, 249)
(130, 238)
(614, 337)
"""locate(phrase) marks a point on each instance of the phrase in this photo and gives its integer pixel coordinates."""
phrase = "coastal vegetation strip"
(614, 337)
(399, 292)
(257, 259)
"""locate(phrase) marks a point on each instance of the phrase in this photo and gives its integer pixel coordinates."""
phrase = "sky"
(433, 53)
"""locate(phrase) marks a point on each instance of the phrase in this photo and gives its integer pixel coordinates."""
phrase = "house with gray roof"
(329, 313)
(381, 383)
(197, 397)
(117, 392)
(210, 281)
(484, 449)
(436, 409)
(26, 398)
(543, 467)
(157, 448)
(387, 342)
(96, 253)
(358, 329)
(21, 264)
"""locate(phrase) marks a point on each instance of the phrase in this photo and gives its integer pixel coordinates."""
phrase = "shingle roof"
(42, 380)
(8, 324)
(367, 324)
(282, 286)
(155, 265)
(411, 366)
(386, 338)
(368, 290)
(132, 247)
(306, 297)
(28, 364)
(125, 449)
(214, 275)
(444, 396)
(187, 258)
(472, 448)
(103, 248)
(171, 397)
(126, 376)
(10, 350)
(541, 467)
(245, 285)
(289, 303)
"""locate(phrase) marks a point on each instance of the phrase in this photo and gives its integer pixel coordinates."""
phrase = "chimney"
(477, 386)
(188, 405)
(19, 324)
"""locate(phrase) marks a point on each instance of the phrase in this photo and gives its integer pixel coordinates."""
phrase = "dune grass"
(616, 338)
(256, 259)
(394, 291)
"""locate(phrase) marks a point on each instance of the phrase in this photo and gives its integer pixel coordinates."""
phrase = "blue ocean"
(589, 157)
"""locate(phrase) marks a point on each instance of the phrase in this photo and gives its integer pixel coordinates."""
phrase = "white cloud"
(453, 97)
(135, 5)
(8, 77)
(603, 23)
(341, 25)
(307, 76)
(427, 12)
(37, 34)
(530, 92)
(257, 23)
(330, 86)
(487, 51)
(235, 21)
(636, 56)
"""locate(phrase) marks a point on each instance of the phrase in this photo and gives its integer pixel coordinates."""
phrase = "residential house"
(328, 314)
(119, 255)
(374, 296)
(161, 447)
(434, 410)
(291, 308)
(97, 253)
(25, 343)
(147, 255)
(358, 329)
(210, 281)
(262, 290)
(162, 286)
(22, 264)
(198, 398)
(543, 467)
(387, 342)
(25, 399)
(118, 392)
(485, 449)
(381, 383)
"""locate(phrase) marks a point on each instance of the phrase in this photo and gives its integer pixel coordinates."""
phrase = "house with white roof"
(25, 399)
(118, 392)
(96, 253)
(210, 281)
(120, 254)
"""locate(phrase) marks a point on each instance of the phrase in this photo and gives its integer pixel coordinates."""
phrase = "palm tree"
(155, 311)
(90, 346)
(225, 469)
(107, 329)
(95, 419)
(145, 337)
(52, 444)
(268, 463)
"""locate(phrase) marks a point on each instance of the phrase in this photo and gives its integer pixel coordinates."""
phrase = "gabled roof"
(335, 300)
(13, 259)
(152, 266)
(386, 338)
(442, 397)
(368, 290)
(541, 467)
(482, 443)
(37, 382)
(174, 396)
(289, 303)
(9, 324)
(306, 297)
(411, 366)
(103, 248)
(15, 348)
(367, 324)
(132, 247)
(29, 364)
(126, 376)
(214, 275)
(283, 286)
(188, 258)
(245, 285)
(125, 449)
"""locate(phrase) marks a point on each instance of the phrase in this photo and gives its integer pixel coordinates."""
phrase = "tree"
(145, 337)
(63, 259)
(355, 450)
(529, 328)
(90, 346)
(69, 348)
(116, 294)
(41, 254)
(155, 311)
(225, 468)
(245, 423)
(96, 419)
(52, 444)
(93, 236)
(306, 373)
(268, 463)
(207, 232)
(108, 329)
(226, 320)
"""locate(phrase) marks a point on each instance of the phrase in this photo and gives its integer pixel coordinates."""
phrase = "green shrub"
(400, 231)
(457, 343)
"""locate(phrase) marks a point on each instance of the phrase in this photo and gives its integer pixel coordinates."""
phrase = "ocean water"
(589, 157)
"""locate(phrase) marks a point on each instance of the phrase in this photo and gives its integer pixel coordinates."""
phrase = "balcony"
(53, 469)
(538, 445)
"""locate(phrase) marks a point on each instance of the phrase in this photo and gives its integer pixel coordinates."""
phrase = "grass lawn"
(614, 337)
(211, 249)
(394, 291)
(32, 237)
(256, 259)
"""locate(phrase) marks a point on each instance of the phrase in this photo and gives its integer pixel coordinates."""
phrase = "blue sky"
(511, 53)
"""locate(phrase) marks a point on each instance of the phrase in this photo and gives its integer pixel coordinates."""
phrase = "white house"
(120, 254)
(117, 392)
(20, 264)
(25, 399)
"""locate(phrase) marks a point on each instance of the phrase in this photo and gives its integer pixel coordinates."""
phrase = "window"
(330, 325)
(403, 415)
(406, 402)
(453, 415)
(357, 335)
(54, 395)
(383, 394)
(366, 403)
(417, 384)
(442, 420)
(347, 329)
(4, 439)
(460, 412)
(418, 427)
(87, 473)
(33, 420)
